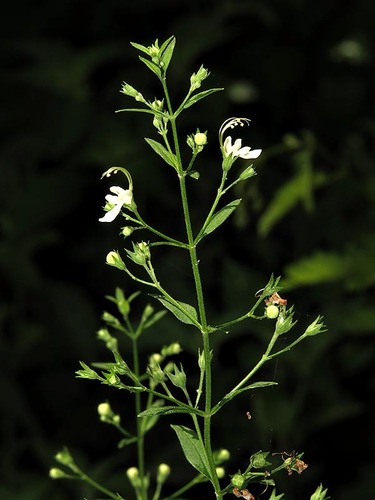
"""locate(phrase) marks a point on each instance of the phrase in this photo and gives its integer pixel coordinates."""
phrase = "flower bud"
(272, 311)
(132, 92)
(259, 459)
(104, 410)
(64, 457)
(114, 259)
(127, 231)
(238, 480)
(155, 358)
(221, 456)
(247, 173)
(133, 476)
(220, 472)
(163, 472)
(56, 473)
(200, 139)
(197, 78)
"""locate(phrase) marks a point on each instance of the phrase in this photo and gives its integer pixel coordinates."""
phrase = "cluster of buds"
(107, 415)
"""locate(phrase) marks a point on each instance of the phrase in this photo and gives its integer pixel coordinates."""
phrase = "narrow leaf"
(201, 95)
(140, 47)
(166, 410)
(193, 449)
(167, 51)
(152, 66)
(168, 157)
(220, 216)
(183, 312)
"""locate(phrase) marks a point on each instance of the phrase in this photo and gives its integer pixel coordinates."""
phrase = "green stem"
(140, 432)
(84, 477)
(197, 480)
(199, 294)
(266, 357)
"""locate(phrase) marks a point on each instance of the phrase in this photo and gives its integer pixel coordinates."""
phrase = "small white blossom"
(116, 201)
(236, 149)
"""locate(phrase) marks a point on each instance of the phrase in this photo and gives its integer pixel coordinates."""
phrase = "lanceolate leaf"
(167, 51)
(184, 312)
(152, 66)
(228, 397)
(168, 157)
(167, 410)
(193, 449)
(201, 95)
(221, 216)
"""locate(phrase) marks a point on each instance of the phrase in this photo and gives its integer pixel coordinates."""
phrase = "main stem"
(140, 431)
(200, 299)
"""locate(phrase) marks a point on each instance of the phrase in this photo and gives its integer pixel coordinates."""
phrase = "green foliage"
(155, 379)
(59, 90)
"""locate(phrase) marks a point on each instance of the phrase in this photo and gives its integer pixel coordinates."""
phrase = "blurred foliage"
(303, 72)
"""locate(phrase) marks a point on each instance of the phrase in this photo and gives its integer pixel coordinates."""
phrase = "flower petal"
(111, 214)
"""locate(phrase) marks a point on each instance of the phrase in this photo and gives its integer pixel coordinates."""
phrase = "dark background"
(303, 72)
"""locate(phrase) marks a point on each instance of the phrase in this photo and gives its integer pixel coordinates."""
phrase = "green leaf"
(220, 216)
(193, 449)
(168, 157)
(201, 95)
(152, 66)
(140, 47)
(126, 441)
(87, 372)
(183, 312)
(167, 51)
(228, 397)
(167, 410)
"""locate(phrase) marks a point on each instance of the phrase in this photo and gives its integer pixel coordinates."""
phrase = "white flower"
(236, 149)
(116, 201)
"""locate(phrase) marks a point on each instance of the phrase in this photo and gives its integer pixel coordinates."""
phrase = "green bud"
(171, 349)
(103, 334)
(141, 253)
(116, 419)
(127, 231)
(220, 472)
(163, 472)
(156, 373)
(113, 379)
(178, 378)
(133, 476)
(200, 139)
(285, 322)
(259, 459)
(158, 104)
(247, 173)
(238, 480)
(64, 457)
(104, 410)
(221, 456)
(56, 473)
(319, 494)
(316, 327)
(272, 311)
(155, 358)
(196, 79)
(132, 92)
(114, 259)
